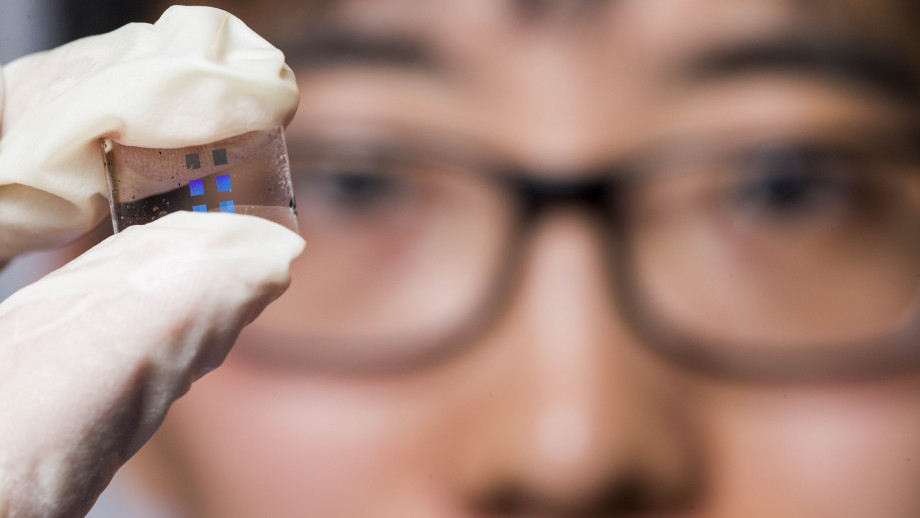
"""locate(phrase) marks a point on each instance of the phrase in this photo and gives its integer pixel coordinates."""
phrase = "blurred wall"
(28, 26)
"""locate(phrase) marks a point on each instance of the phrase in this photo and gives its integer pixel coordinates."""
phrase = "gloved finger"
(92, 355)
(195, 76)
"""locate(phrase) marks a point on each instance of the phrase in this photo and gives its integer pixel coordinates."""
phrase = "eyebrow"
(854, 62)
(330, 47)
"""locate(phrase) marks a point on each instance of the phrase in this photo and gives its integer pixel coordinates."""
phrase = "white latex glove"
(92, 355)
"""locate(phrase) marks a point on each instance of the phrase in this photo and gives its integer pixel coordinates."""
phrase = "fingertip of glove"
(230, 238)
(232, 227)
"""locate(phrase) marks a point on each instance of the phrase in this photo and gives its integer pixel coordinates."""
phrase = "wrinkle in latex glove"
(92, 355)
(195, 76)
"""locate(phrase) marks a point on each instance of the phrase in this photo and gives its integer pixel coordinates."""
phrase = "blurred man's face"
(557, 406)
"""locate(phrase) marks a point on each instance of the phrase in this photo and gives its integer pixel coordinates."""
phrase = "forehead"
(631, 40)
(482, 28)
(469, 21)
(554, 73)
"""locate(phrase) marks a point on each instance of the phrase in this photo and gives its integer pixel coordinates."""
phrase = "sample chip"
(247, 174)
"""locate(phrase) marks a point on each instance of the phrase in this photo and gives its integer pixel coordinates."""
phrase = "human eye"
(355, 190)
(781, 184)
(353, 186)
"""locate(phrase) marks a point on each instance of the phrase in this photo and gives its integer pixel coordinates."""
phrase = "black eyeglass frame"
(598, 193)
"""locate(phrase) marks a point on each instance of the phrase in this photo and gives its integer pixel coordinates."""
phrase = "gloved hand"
(92, 355)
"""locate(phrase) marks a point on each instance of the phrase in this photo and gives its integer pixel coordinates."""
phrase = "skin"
(558, 403)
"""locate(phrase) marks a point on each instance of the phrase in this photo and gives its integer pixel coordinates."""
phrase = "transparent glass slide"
(247, 174)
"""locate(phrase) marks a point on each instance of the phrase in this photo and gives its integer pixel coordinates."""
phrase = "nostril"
(576, 467)
(624, 496)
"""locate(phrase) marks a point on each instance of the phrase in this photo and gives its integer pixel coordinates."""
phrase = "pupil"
(782, 176)
(785, 189)
(360, 186)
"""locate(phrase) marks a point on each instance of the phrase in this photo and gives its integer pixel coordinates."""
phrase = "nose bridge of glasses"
(540, 194)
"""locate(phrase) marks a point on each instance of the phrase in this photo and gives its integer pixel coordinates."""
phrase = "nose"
(581, 420)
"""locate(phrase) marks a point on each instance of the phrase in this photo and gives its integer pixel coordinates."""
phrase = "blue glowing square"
(196, 187)
(227, 206)
(223, 183)
(200, 208)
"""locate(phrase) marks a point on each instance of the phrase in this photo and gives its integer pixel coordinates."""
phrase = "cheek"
(253, 442)
(829, 453)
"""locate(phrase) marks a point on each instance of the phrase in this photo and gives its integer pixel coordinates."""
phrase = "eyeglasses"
(756, 256)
